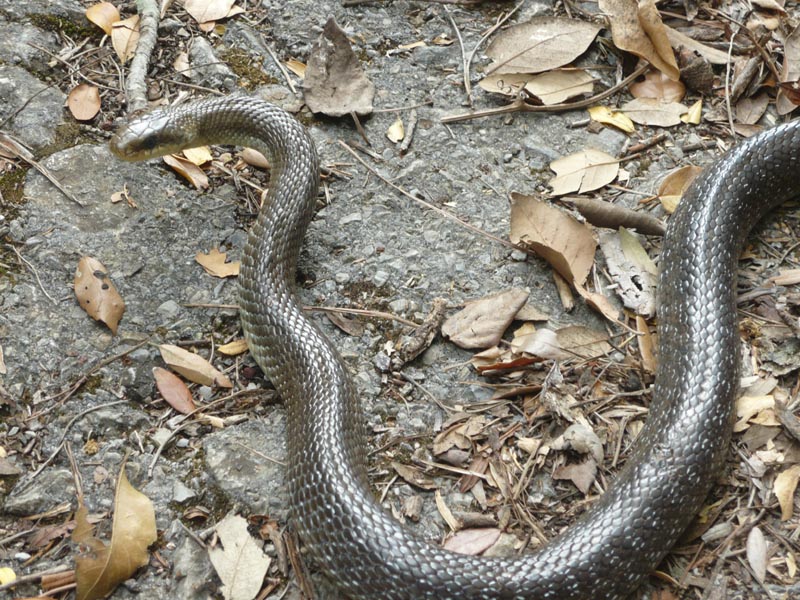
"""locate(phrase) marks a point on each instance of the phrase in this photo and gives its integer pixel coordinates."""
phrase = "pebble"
(380, 278)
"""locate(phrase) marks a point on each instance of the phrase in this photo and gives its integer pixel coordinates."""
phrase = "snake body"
(681, 449)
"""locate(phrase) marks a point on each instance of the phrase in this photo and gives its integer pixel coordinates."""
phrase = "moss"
(12, 187)
(68, 135)
(62, 25)
(247, 68)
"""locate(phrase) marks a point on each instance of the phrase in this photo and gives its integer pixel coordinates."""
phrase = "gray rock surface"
(29, 108)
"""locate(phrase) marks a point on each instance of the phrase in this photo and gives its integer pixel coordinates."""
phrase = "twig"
(27, 263)
(136, 87)
(441, 211)
(33, 577)
(283, 70)
(519, 105)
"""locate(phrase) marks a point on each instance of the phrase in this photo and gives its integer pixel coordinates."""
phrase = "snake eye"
(149, 142)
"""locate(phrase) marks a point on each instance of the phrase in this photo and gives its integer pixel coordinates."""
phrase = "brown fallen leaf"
(756, 551)
(174, 391)
(790, 72)
(104, 567)
(192, 366)
(636, 27)
(650, 111)
(583, 342)
(233, 348)
(188, 170)
(254, 158)
(347, 324)
(541, 44)
(680, 40)
(96, 293)
(750, 110)
(481, 323)
(198, 156)
(583, 171)
(84, 102)
(646, 345)
(582, 474)
(607, 116)
(550, 88)
(215, 263)
(784, 487)
(240, 563)
(675, 184)
(414, 476)
(787, 277)
(657, 85)
(208, 11)
(472, 541)
(104, 15)
(125, 37)
(335, 83)
(601, 213)
(554, 235)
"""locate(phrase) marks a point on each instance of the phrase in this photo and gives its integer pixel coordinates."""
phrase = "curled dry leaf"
(396, 131)
(233, 348)
(125, 37)
(84, 102)
(96, 293)
(104, 15)
(188, 170)
(583, 171)
(538, 342)
(649, 111)
(657, 85)
(675, 184)
(174, 391)
(784, 487)
(100, 571)
(334, 82)
(215, 263)
(606, 116)
(481, 323)
(554, 235)
(646, 345)
(198, 156)
(541, 44)
(192, 366)
(636, 27)
(613, 216)
(414, 476)
(254, 158)
(240, 563)
(695, 113)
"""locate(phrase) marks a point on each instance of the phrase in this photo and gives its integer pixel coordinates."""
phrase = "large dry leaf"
(192, 366)
(583, 342)
(334, 83)
(750, 110)
(680, 40)
(551, 88)
(204, 11)
(96, 293)
(583, 171)
(675, 184)
(543, 343)
(790, 71)
(240, 563)
(650, 111)
(554, 235)
(582, 474)
(659, 86)
(636, 27)
(174, 391)
(84, 102)
(784, 487)
(104, 15)
(188, 170)
(472, 541)
(634, 285)
(125, 37)
(481, 323)
(541, 44)
(100, 571)
(215, 263)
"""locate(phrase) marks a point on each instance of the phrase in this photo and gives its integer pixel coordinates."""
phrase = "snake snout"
(148, 137)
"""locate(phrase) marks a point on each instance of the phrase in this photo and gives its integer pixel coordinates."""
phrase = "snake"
(624, 535)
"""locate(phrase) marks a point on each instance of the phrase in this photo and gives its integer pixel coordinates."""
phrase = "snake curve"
(681, 449)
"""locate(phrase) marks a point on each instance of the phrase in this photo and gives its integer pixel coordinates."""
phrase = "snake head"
(149, 136)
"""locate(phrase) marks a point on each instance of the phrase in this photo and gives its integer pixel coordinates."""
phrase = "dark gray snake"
(627, 532)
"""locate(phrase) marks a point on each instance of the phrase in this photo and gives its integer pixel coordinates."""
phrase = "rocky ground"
(68, 381)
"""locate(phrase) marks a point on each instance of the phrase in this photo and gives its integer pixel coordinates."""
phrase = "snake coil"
(625, 533)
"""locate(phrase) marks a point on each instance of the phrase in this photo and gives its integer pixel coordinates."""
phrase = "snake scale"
(681, 449)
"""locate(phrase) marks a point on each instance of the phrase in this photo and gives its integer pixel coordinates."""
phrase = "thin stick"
(148, 36)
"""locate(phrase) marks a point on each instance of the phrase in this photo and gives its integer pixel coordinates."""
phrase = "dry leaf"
(3, 369)
(790, 72)
(680, 40)
(215, 263)
(125, 37)
(558, 86)
(296, 67)
(192, 366)
(103, 14)
(543, 343)
(756, 549)
(508, 84)
(174, 391)
(240, 563)
(198, 156)
(659, 86)
(481, 323)
(541, 44)
(583, 171)
(96, 293)
(747, 407)
(99, 572)
(233, 348)
(7, 575)
(581, 474)
(84, 102)
(784, 487)
(598, 302)
(750, 110)
(646, 345)
(334, 83)
(635, 252)
(190, 171)
(675, 184)
(606, 116)
(695, 113)
(583, 342)
(649, 111)
(414, 476)
(181, 64)
(554, 235)
(204, 11)
(445, 511)
(254, 158)
(635, 285)
(472, 541)
(636, 27)
(786, 277)
(396, 131)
